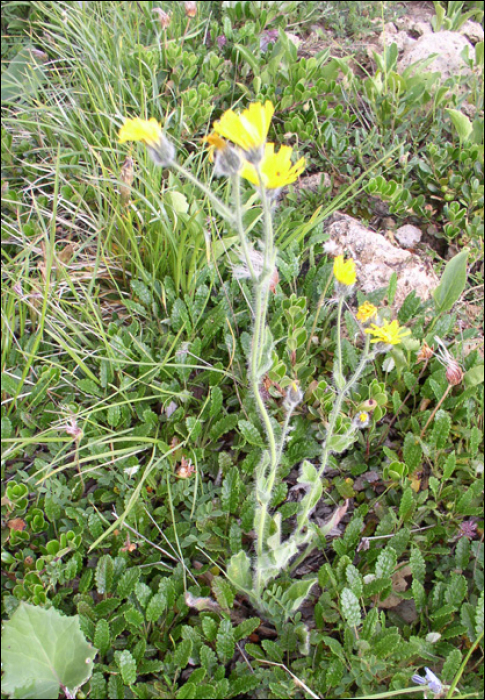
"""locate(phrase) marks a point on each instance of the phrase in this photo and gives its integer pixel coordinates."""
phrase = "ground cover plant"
(226, 470)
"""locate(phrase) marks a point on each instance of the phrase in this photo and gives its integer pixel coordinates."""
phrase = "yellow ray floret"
(344, 271)
(276, 169)
(366, 311)
(148, 131)
(248, 129)
(389, 333)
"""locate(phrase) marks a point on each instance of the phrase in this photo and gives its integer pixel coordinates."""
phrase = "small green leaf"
(156, 607)
(386, 563)
(479, 615)
(239, 571)
(127, 665)
(101, 636)
(104, 574)
(182, 653)
(250, 433)
(66, 656)
(461, 123)
(225, 643)
(452, 284)
(441, 429)
(350, 607)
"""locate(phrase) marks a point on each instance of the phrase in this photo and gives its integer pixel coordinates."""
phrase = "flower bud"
(163, 152)
(294, 394)
(227, 161)
(163, 17)
(454, 373)
(190, 9)
(425, 353)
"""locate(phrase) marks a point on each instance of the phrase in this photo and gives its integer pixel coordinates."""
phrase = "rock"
(377, 258)
(408, 236)
(448, 46)
(473, 31)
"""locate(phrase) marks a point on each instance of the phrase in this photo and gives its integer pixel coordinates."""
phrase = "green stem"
(339, 336)
(236, 186)
(260, 314)
(224, 211)
(463, 666)
(333, 420)
(319, 306)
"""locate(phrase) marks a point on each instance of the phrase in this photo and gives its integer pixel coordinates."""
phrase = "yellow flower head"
(276, 169)
(344, 271)
(248, 129)
(148, 132)
(388, 333)
(366, 312)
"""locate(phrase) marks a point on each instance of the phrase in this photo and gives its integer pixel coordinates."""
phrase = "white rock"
(473, 31)
(448, 46)
(408, 235)
(377, 258)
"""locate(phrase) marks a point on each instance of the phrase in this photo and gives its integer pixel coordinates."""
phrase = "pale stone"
(448, 47)
(408, 235)
(376, 258)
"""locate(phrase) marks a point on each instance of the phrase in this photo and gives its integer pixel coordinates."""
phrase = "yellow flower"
(276, 169)
(388, 333)
(366, 312)
(344, 271)
(248, 129)
(148, 132)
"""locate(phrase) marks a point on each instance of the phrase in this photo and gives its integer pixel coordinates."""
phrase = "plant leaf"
(452, 284)
(42, 650)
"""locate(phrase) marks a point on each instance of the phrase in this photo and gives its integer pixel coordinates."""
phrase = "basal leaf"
(42, 650)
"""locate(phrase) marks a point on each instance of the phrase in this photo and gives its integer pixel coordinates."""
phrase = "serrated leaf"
(386, 563)
(66, 658)
(350, 607)
(225, 643)
(412, 452)
(479, 615)
(418, 565)
(101, 636)
(250, 433)
(127, 665)
(156, 607)
(216, 401)
(450, 465)
(104, 575)
(231, 489)
(246, 627)
(183, 650)
(114, 416)
(223, 592)
(451, 665)
(209, 628)
(127, 582)
(407, 504)
(98, 686)
(187, 692)
(452, 283)
(441, 429)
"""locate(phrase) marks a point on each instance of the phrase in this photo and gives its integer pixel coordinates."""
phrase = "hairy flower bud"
(190, 9)
(163, 17)
(454, 373)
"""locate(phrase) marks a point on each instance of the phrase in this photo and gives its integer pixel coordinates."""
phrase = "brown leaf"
(17, 524)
